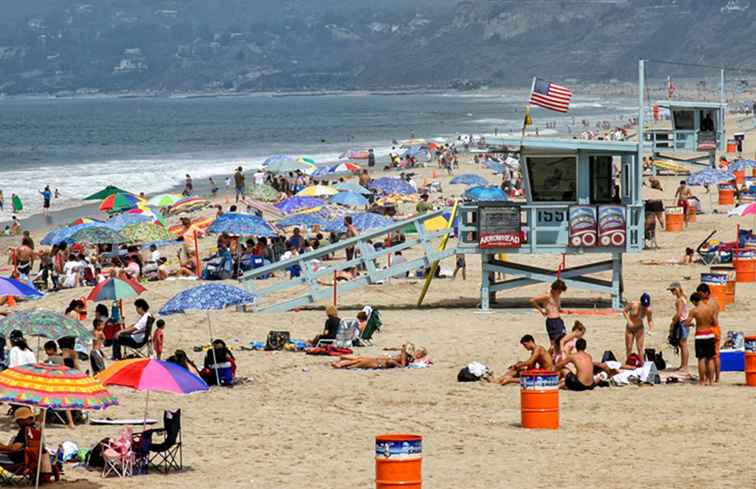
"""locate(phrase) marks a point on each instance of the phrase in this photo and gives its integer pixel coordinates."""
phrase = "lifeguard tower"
(582, 197)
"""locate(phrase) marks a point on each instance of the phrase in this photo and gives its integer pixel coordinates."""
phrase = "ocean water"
(148, 144)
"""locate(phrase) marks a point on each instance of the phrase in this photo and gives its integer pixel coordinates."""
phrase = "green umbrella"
(146, 232)
(262, 192)
(106, 192)
(48, 324)
(164, 200)
(98, 235)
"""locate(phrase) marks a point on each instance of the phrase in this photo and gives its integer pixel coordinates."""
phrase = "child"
(362, 320)
(157, 338)
(54, 357)
(97, 358)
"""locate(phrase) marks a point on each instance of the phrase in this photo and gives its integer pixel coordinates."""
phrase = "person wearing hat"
(20, 353)
(13, 452)
(678, 321)
(635, 313)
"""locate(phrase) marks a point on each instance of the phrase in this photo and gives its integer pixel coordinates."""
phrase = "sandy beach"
(296, 422)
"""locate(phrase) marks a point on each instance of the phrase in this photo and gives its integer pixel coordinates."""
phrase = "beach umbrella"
(188, 204)
(242, 225)
(121, 221)
(52, 387)
(106, 192)
(389, 185)
(303, 220)
(413, 142)
(710, 176)
(744, 210)
(322, 173)
(262, 192)
(494, 165)
(119, 202)
(152, 215)
(98, 235)
(64, 234)
(264, 208)
(146, 232)
(296, 203)
(361, 221)
(115, 289)
(84, 220)
(207, 298)
(741, 165)
(350, 199)
(306, 159)
(200, 223)
(469, 179)
(47, 324)
(354, 154)
(290, 166)
(485, 193)
(352, 187)
(164, 200)
(16, 288)
(317, 191)
(274, 159)
(347, 166)
(151, 375)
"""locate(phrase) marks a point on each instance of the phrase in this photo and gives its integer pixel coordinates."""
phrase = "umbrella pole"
(146, 404)
(212, 349)
(41, 449)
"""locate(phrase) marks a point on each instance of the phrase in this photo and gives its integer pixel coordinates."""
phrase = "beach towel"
(329, 350)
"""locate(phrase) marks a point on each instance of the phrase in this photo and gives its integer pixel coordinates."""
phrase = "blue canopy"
(16, 288)
(389, 185)
(303, 220)
(297, 203)
(350, 199)
(485, 193)
(740, 165)
(207, 297)
(352, 187)
(469, 179)
(362, 221)
(64, 234)
(710, 176)
(122, 220)
(241, 225)
(495, 166)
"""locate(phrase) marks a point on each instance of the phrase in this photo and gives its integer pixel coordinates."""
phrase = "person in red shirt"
(157, 338)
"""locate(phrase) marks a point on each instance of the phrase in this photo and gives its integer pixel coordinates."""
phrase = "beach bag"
(608, 356)
(276, 340)
(473, 372)
(659, 361)
(675, 336)
(465, 375)
(95, 459)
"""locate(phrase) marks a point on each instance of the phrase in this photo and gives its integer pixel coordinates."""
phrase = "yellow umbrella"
(317, 191)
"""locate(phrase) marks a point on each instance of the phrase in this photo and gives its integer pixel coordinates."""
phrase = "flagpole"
(526, 116)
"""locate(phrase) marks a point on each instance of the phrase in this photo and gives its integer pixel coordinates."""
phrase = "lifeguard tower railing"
(582, 224)
(315, 284)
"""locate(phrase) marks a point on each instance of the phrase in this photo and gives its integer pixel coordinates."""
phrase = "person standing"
(635, 313)
(460, 266)
(239, 183)
(682, 194)
(46, 198)
(678, 321)
(705, 293)
(2, 199)
(705, 341)
(213, 187)
(371, 158)
(18, 206)
(188, 186)
(550, 307)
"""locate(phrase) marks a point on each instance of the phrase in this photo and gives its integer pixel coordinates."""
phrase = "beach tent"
(106, 192)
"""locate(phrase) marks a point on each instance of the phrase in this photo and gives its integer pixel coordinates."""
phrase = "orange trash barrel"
(398, 461)
(539, 399)
(732, 146)
(730, 292)
(739, 177)
(691, 215)
(726, 195)
(718, 285)
(674, 219)
(745, 266)
(750, 360)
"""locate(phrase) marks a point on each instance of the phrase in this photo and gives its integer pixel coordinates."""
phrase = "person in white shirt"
(259, 177)
(71, 272)
(20, 353)
(134, 335)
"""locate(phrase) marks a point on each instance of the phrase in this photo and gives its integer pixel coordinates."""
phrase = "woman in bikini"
(407, 355)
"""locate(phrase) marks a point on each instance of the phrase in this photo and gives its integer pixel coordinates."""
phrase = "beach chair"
(118, 456)
(708, 256)
(166, 455)
(143, 349)
(26, 472)
(374, 324)
(348, 332)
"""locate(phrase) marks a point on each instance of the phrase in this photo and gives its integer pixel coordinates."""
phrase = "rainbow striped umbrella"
(53, 387)
(114, 289)
(152, 375)
(119, 202)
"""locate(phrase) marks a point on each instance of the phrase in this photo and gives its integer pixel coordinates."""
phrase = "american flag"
(550, 95)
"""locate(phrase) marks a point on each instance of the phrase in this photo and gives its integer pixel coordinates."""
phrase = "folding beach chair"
(143, 349)
(374, 324)
(166, 455)
(26, 472)
(348, 332)
(708, 256)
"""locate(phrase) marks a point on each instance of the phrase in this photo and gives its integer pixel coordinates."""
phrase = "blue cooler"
(732, 360)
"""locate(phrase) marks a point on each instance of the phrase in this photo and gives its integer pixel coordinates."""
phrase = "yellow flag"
(528, 120)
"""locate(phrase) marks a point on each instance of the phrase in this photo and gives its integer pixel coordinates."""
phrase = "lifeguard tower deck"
(575, 204)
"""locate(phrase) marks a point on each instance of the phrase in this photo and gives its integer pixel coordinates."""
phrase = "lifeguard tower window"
(553, 178)
(707, 121)
(684, 120)
(602, 180)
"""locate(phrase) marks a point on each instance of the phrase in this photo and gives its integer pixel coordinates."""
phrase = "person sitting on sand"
(582, 378)
(567, 342)
(220, 365)
(180, 357)
(686, 259)
(407, 356)
(331, 327)
(539, 358)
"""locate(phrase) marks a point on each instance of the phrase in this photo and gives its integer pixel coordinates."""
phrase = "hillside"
(51, 46)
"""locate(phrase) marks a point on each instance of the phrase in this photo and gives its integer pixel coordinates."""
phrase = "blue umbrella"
(469, 179)
(298, 203)
(273, 159)
(122, 220)
(388, 185)
(361, 221)
(710, 176)
(740, 165)
(321, 173)
(495, 166)
(241, 225)
(64, 234)
(16, 288)
(352, 187)
(304, 220)
(350, 199)
(485, 193)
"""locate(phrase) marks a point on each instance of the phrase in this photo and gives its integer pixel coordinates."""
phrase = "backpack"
(675, 336)
(94, 458)
(276, 340)
(659, 361)
(465, 375)
(608, 356)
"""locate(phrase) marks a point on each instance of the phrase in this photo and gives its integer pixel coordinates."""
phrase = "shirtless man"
(635, 313)
(550, 307)
(705, 293)
(24, 259)
(583, 379)
(539, 358)
(682, 194)
(704, 318)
